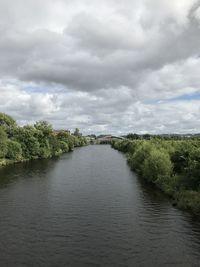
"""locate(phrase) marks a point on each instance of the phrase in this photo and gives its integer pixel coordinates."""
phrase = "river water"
(88, 209)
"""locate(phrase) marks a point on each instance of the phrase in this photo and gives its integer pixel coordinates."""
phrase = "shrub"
(189, 200)
(3, 144)
(137, 159)
(3, 149)
(157, 164)
(64, 146)
(14, 150)
(168, 184)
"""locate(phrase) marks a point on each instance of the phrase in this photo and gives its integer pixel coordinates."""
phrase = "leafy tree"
(64, 146)
(192, 172)
(54, 145)
(6, 120)
(3, 149)
(157, 164)
(67, 138)
(77, 132)
(45, 127)
(14, 150)
(44, 134)
(8, 124)
(3, 142)
(181, 155)
(137, 159)
(30, 145)
(133, 136)
(3, 135)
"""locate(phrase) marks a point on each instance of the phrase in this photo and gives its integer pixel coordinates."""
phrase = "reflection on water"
(88, 209)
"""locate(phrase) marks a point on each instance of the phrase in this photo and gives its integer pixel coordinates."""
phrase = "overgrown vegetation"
(172, 165)
(33, 142)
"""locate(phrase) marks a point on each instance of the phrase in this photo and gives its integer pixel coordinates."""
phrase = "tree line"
(33, 142)
(172, 165)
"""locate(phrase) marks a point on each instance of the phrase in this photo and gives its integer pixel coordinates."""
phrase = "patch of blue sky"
(37, 88)
(184, 97)
(31, 87)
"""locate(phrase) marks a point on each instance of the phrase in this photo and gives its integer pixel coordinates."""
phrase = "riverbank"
(18, 144)
(6, 162)
(172, 166)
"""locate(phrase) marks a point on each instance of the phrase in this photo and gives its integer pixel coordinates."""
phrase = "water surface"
(88, 209)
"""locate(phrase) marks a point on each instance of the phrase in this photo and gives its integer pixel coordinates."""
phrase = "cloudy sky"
(109, 66)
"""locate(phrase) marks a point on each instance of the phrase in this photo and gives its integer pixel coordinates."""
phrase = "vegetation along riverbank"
(172, 165)
(33, 142)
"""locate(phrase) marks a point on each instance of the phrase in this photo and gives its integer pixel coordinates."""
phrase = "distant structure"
(102, 139)
(107, 139)
(90, 139)
(61, 131)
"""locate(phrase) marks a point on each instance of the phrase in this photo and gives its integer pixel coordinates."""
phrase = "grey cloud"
(95, 53)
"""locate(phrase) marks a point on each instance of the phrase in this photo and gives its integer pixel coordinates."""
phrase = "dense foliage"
(32, 142)
(173, 165)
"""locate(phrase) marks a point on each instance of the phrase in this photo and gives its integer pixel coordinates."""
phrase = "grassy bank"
(172, 165)
(19, 144)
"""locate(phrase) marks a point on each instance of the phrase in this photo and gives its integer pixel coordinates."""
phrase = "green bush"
(192, 172)
(14, 150)
(3, 142)
(3, 149)
(169, 184)
(136, 160)
(157, 164)
(44, 152)
(64, 146)
(189, 200)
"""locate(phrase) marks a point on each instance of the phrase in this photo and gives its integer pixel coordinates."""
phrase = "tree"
(3, 149)
(44, 134)
(77, 132)
(6, 120)
(67, 138)
(54, 145)
(3, 142)
(45, 127)
(180, 157)
(14, 150)
(27, 137)
(157, 164)
(64, 146)
(3, 135)
(8, 124)
(192, 172)
(133, 136)
(137, 159)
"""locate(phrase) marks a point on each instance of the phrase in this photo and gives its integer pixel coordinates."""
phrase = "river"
(87, 208)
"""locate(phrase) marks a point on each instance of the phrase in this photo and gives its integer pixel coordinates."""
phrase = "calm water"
(88, 209)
